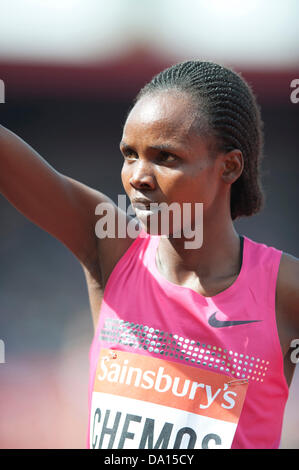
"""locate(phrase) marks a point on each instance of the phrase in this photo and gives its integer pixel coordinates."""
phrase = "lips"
(145, 208)
(143, 204)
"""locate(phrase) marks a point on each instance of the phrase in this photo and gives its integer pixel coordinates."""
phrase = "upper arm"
(65, 208)
(60, 205)
(288, 293)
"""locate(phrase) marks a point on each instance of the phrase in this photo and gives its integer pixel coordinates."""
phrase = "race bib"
(141, 402)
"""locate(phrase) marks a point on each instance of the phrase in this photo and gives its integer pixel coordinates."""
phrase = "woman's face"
(165, 160)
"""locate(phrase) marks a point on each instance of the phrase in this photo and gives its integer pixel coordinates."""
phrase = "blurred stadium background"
(71, 69)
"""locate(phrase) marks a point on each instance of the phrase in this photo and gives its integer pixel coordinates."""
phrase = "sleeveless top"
(171, 368)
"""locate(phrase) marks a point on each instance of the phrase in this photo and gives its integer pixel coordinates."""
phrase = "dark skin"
(192, 175)
(183, 172)
(166, 160)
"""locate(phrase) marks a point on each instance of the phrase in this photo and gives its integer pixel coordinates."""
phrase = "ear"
(233, 164)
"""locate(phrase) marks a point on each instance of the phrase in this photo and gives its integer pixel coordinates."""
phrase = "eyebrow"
(162, 147)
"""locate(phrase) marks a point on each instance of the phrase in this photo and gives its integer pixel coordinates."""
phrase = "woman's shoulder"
(288, 276)
(287, 281)
(287, 290)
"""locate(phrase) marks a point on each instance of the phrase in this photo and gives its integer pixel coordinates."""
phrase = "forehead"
(165, 115)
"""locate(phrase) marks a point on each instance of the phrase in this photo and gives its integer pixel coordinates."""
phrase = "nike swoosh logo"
(221, 324)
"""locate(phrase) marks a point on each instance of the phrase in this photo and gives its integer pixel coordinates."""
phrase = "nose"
(142, 176)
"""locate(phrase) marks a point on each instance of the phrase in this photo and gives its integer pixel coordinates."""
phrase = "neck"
(218, 257)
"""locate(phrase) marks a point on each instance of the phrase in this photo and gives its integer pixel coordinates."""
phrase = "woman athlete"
(192, 346)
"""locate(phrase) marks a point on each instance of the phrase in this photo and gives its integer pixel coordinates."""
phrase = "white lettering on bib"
(141, 402)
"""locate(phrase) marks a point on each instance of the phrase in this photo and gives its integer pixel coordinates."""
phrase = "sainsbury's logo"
(140, 401)
(161, 380)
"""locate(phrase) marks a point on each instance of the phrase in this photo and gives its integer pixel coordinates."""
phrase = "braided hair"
(231, 116)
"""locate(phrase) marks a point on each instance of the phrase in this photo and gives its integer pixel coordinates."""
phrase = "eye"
(129, 154)
(167, 157)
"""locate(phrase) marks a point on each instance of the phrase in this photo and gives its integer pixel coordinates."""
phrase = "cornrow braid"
(231, 115)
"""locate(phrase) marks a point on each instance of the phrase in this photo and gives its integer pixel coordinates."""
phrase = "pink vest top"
(151, 326)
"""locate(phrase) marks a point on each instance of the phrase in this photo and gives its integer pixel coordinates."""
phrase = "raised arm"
(58, 204)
